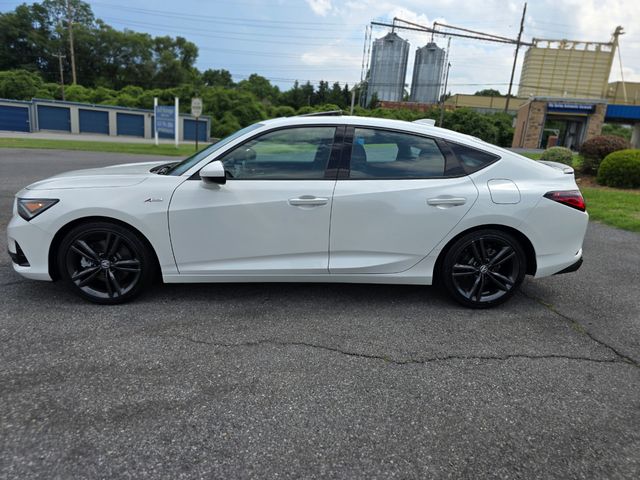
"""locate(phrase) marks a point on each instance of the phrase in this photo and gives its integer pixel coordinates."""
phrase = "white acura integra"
(320, 198)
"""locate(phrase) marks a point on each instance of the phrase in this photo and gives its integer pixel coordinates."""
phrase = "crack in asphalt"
(582, 329)
(410, 361)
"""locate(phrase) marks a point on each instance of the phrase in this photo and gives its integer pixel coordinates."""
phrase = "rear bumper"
(571, 268)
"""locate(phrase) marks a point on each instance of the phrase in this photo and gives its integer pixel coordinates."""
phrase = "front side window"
(300, 153)
(187, 163)
(383, 154)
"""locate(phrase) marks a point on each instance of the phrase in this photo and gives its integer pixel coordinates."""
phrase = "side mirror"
(213, 173)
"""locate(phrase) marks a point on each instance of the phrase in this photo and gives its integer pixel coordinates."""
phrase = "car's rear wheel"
(483, 268)
(104, 262)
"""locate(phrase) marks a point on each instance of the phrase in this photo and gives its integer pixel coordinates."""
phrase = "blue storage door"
(14, 119)
(94, 121)
(54, 118)
(190, 130)
(130, 124)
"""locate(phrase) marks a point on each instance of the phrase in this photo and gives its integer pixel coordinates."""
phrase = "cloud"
(320, 7)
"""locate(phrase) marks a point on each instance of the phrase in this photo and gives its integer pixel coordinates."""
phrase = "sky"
(288, 40)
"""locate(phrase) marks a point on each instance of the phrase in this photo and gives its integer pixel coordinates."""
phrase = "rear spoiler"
(558, 166)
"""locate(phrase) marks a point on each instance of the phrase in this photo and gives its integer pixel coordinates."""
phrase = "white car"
(320, 198)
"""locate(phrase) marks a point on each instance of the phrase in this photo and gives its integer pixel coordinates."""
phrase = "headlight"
(32, 207)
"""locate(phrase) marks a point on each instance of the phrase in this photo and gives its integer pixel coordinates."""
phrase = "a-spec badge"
(152, 199)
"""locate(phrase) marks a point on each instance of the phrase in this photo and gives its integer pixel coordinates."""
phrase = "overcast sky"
(285, 40)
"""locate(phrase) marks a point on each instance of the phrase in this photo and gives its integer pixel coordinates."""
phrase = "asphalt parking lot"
(319, 381)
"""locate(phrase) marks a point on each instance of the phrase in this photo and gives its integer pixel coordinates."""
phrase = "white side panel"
(387, 226)
(251, 226)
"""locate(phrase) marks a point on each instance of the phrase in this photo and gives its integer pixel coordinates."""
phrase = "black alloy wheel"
(484, 268)
(104, 263)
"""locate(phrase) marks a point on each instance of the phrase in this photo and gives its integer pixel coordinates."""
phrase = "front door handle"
(308, 201)
(446, 202)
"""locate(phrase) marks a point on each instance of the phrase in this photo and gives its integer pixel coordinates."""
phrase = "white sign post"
(177, 129)
(196, 111)
(155, 119)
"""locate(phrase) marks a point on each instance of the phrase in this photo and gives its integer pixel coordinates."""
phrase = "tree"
(307, 93)
(489, 92)
(218, 78)
(469, 121)
(322, 94)
(335, 95)
(19, 84)
(261, 88)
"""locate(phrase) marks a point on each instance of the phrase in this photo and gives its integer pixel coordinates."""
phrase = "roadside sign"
(165, 119)
(196, 107)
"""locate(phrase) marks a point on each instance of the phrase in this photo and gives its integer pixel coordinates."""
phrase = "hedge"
(620, 169)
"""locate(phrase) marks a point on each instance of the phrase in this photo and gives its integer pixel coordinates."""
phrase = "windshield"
(189, 162)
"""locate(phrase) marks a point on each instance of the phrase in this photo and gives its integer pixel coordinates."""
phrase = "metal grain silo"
(388, 68)
(427, 74)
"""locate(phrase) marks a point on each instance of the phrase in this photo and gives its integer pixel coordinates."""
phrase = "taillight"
(570, 198)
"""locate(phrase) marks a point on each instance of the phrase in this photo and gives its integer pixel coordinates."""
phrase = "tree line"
(128, 68)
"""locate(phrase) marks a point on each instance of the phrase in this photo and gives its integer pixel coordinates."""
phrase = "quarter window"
(472, 159)
(292, 154)
(384, 154)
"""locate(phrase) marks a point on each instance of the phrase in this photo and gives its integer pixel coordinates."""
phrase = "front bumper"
(28, 247)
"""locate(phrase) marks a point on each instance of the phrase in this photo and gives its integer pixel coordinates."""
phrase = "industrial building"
(388, 68)
(78, 118)
(427, 74)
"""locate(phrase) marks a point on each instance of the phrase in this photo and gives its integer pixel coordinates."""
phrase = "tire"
(483, 268)
(105, 263)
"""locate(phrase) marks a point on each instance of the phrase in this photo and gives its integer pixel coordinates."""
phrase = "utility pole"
(444, 96)
(60, 57)
(71, 48)
(515, 58)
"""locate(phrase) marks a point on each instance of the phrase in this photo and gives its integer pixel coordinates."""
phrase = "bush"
(558, 154)
(595, 149)
(19, 84)
(620, 169)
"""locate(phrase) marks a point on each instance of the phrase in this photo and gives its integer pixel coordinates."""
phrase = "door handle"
(308, 201)
(445, 202)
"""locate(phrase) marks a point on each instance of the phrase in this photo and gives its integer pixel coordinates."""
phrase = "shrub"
(19, 84)
(620, 169)
(595, 149)
(558, 154)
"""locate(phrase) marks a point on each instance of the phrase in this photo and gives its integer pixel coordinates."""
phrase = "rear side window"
(471, 158)
(381, 154)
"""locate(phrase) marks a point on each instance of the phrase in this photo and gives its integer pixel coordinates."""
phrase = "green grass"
(618, 208)
(113, 147)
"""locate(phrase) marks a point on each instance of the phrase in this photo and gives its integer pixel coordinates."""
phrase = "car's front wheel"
(483, 268)
(105, 262)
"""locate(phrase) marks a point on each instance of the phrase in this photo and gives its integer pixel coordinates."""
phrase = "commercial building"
(485, 104)
(569, 121)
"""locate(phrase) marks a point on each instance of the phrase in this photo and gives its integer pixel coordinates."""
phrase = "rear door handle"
(308, 201)
(445, 202)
